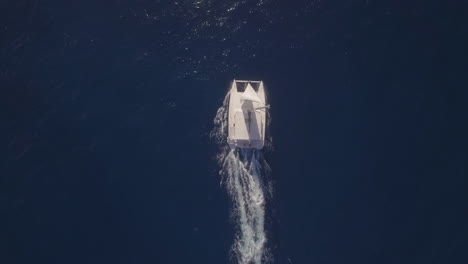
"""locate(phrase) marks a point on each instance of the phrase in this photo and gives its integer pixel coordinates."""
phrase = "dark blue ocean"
(106, 109)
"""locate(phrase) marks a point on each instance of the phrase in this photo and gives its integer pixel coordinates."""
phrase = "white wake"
(243, 174)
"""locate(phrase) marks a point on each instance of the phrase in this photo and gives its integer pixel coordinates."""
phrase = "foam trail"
(243, 171)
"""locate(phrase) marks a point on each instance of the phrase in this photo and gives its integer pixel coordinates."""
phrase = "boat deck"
(246, 125)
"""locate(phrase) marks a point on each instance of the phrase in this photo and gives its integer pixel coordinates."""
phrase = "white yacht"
(247, 115)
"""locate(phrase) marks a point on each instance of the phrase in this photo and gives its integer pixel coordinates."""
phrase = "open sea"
(106, 111)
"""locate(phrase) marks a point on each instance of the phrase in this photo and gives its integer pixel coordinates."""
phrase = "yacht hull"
(247, 115)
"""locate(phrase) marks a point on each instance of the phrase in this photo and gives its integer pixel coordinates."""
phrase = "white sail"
(250, 95)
